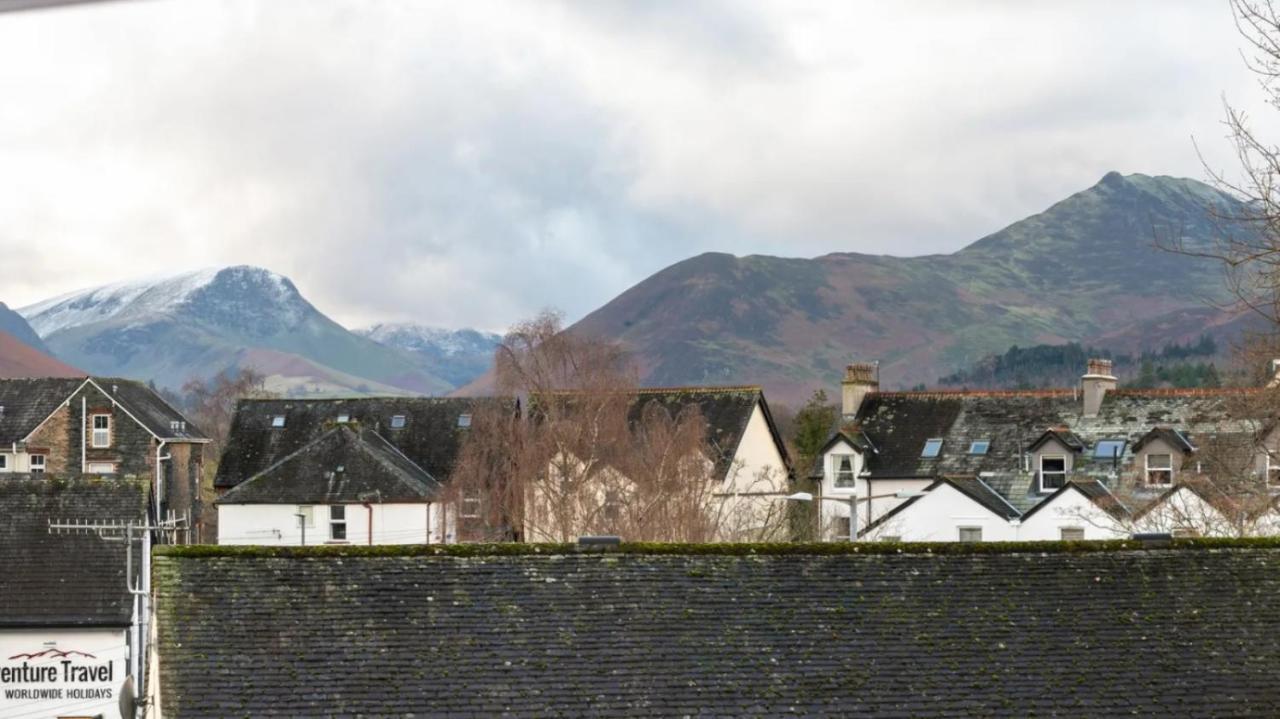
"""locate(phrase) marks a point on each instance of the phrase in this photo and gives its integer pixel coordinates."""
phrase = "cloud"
(469, 163)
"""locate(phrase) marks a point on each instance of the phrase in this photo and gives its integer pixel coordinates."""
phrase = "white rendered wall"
(1069, 509)
(71, 696)
(758, 465)
(275, 524)
(938, 517)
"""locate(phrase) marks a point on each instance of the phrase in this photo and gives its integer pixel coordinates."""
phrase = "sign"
(76, 673)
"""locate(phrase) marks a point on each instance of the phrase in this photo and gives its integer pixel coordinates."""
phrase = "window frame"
(1063, 473)
(343, 418)
(31, 462)
(464, 420)
(960, 532)
(4, 463)
(277, 421)
(986, 447)
(336, 522)
(1062, 534)
(837, 471)
(90, 465)
(94, 430)
(935, 442)
(1148, 469)
(399, 421)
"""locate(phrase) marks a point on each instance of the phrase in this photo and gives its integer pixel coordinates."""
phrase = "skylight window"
(979, 446)
(464, 420)
(1109, 448)
(932, 449)
(398, 421)
(344, 418)
(277, 421)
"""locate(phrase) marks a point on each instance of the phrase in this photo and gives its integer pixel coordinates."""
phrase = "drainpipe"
(370, 508)
(84, 439)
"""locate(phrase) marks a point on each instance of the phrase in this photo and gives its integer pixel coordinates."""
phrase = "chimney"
(860, 379)
(1097, 381)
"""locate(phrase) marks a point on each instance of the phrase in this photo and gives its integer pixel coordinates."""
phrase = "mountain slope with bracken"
(19, 360)
(1085, 268)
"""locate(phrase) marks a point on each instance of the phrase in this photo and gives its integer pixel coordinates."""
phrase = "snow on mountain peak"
(146, 299)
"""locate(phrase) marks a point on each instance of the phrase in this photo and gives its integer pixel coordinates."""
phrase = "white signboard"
(54, 673)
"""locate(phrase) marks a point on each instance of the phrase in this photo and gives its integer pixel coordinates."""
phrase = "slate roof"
(798, 630)
(726, 410)
(430, 438)
(28, 402)
(899, 423)
(344, 465)
(64, 580)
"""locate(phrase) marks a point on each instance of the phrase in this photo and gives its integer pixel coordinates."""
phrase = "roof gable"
(344, 465)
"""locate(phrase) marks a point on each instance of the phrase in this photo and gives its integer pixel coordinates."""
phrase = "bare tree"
(586, 456)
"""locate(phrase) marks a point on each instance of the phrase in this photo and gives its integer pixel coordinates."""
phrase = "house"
(1090, 462)
(70, 630)
(939, 630)
(341, 471)
(742, 467)
(102, 426)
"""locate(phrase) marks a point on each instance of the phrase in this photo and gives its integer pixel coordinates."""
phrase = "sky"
(466, 164)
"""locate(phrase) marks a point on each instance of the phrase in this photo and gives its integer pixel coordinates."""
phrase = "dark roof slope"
(343, 465)
(804, 631)
(150, 409)
(64, 580)
(28, 402)
(983, 494)
(431, 437)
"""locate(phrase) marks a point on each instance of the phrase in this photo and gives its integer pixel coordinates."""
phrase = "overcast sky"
(466, 163)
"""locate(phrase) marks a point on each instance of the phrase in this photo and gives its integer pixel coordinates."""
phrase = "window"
(100, 468)
(337, 522)
(844, 470)
(1159, 469)
(344, 418)
(308, 515)
(37, 464)
(1273, 470)
(971, 534)
(397, 422)
(1109, 449)
(1072, 534)
(464, 420)
(979, 446)
(470, 507)
(101, 430)
(277, 421)
(4, 462)
(932, 449)
(1053, 472)
(840, 529)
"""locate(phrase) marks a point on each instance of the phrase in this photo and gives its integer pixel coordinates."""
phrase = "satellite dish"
(128, 699)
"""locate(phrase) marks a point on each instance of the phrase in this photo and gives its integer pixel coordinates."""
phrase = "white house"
(1088, 462)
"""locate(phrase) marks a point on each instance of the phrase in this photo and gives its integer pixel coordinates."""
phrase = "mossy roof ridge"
(745, 549)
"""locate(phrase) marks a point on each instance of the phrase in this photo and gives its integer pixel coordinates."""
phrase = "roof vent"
(1153, 539)
(598, 543)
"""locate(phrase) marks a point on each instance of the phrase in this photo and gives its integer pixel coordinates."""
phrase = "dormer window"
(932, 449)
(979, 447)
(397, 421)
(844, 471)
(464, 420)
(1053, 472)
(277, 422)
(1159, 469)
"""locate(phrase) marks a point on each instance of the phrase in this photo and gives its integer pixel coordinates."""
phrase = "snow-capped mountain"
(196, 324)
(458, 356)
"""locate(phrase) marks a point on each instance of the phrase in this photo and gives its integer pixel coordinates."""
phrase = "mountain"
(197, 324)
(1084, 269)
(20, 360)
(457, 356)
(13, 323)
